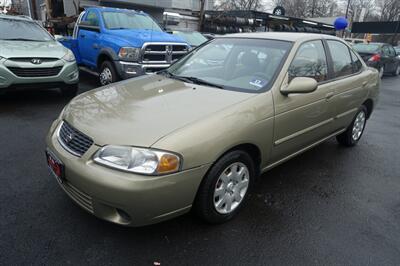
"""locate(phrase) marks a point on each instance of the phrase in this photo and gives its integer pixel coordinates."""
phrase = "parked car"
(121, 44)
(397, 49)
(197, 136)
(31, 58)
(381, 56)
(193, 38)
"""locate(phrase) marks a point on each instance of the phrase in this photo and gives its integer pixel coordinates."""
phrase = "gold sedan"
(198, 134)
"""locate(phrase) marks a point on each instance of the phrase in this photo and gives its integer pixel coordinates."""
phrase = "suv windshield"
(21, 30)
(129, 20)
(248, 65)
(366, 48)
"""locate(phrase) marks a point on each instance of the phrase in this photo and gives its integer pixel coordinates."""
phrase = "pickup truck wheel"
(70, 90)
(354, 132)
(225, 188)
(107, 73)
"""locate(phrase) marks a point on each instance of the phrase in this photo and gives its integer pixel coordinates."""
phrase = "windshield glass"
(248, 65)
(366, 48)
(192, 38)
(13, 29)
(129, 20)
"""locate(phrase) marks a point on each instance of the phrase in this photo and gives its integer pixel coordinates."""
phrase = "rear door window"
(357, 65)
(342, 63)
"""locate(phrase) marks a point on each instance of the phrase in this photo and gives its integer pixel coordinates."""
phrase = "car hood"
(137, 38)
(140, 111)
(28, 49)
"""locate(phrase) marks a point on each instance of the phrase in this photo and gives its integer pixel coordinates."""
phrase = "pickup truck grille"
(159, 53)
(35, 72)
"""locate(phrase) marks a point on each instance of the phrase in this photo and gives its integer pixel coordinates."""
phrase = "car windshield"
(366, 48)
(20, 30)
(248, 65)
(129, 20)
(193, 38)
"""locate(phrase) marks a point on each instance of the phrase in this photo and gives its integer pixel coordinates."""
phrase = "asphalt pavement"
(328, 206)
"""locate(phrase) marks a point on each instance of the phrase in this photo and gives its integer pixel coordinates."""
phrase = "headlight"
(129, 53)
(138, 160)
(69, 56)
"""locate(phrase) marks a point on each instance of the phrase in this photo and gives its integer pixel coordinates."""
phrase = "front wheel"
(108, 74)
(354, 132)
(225, 188)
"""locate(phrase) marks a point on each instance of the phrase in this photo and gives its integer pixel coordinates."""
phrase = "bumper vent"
(80, 197)
(35, 72)
(73, 140)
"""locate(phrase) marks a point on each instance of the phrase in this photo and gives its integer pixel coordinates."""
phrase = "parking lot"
(330, 205)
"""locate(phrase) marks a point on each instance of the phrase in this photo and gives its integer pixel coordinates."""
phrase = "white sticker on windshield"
(258, 82)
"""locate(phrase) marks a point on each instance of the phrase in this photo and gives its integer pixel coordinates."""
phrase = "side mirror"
(86, 25)
(300, 85)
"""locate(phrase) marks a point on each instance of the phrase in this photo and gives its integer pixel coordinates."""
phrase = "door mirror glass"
(300, 85)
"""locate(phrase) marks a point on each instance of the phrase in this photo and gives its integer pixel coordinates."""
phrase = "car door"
(387, 59)
(349, 79)
(89, 38)
(303, 119)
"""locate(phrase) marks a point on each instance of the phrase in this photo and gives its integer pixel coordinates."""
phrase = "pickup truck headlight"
(69, 56)
(138, 160)
(129, 53)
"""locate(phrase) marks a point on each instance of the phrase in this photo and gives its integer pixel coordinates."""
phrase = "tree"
(390, 10)
(308, 8)
(239, 5)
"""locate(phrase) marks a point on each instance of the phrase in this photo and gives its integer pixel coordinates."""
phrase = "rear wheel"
(70, 90)
(225, 188)
(354, 132)
(396, 72)
(108, 74)
(381, 71)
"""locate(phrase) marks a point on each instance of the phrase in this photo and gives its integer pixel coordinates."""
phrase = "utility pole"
(201, 13)
(313, 8)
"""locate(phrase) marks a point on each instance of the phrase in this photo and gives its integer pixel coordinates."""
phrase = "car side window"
(357, 65)
(92, 18)
(392, 51)
(310, 61)
(385, 50)
(342, 63)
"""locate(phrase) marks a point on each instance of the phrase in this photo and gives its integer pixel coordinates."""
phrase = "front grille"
(29, 59)
(155, 53)
(73, 140)
(35, 72)
(80, 197)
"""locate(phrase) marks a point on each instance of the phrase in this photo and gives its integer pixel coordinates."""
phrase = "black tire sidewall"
(346, 138)
(204, 203)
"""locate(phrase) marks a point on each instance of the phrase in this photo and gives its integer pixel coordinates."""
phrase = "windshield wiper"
(22, 39)
(201, 82)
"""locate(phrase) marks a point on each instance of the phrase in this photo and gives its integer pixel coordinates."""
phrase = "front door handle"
(82, 35)
(329, 95)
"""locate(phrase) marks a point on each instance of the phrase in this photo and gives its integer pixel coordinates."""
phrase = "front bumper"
(125, 198)
(128, 70)
(68, 75)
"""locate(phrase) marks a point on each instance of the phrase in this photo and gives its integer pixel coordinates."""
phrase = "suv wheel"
(354, 132)
(70, 90)
(107, 73)
(381, 71)
(397, 70)
(225, 188)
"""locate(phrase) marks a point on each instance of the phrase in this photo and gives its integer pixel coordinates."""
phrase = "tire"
(381, 71)
(108, 74)
(70, 91)
(354, 132)
(232, 190)
(396, 72)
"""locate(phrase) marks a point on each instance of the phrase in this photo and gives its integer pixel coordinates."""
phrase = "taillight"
(375, 58)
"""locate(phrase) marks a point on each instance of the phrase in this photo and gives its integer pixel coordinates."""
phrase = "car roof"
(282, 36)
(22, 18)
(113, 9)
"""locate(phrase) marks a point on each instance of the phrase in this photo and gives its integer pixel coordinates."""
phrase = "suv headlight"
(129, 53)
(69, 56)
(138, 160)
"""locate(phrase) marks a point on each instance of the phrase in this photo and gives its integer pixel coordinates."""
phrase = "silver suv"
(31, 58)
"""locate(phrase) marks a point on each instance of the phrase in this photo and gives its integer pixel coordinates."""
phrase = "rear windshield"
(129, 20)
(366, 48)
(19, 30)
